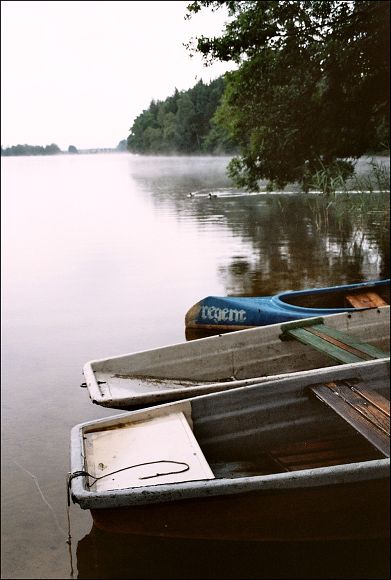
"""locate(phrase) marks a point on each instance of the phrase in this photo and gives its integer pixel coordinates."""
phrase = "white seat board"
(166, 444)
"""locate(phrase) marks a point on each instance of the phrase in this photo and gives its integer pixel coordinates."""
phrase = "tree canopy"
(183, 123)
(312, 86)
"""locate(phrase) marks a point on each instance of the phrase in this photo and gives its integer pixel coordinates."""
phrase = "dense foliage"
(183, 123)
(122, 145)
(52, 149)
(311, 88)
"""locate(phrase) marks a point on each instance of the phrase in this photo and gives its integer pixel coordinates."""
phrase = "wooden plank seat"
(340, 346)
(365, 410)
(314, 453)
(365, 300)
(334, 449)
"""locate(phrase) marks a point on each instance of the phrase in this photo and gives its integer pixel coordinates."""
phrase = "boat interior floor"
(366, 415)
(297, 456)
(365, 300)
(359, 298)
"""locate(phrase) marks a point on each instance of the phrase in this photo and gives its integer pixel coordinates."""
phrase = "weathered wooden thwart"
(302, 457)
(338, 345)
(367, 411)
(237, 359)
(365, 300)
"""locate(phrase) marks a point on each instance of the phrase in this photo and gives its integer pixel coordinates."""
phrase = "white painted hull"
(220, 362)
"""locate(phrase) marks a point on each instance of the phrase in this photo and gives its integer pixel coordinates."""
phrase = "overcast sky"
(79, 73)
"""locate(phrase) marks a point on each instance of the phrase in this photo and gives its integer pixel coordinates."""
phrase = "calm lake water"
(103, 255)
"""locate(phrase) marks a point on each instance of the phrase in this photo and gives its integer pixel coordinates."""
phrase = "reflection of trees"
(296, 241)
(303, 241)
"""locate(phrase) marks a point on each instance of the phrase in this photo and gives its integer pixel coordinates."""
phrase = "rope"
(81, 473)
(187, 467)
(85, 473)
(69, 478)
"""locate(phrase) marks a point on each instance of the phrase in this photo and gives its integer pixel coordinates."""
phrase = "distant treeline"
(183, 123)
(52, 149)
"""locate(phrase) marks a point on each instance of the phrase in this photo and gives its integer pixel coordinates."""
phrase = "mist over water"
(103, 255)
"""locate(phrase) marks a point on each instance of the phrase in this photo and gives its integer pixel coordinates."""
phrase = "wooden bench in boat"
(313, 453)
(338, 345)
(365, 410)
(298, 455)
(365, 300)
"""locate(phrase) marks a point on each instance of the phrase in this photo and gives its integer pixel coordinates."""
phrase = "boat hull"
(219, 363)
(335, 512)
(225, 314)
(268, 462)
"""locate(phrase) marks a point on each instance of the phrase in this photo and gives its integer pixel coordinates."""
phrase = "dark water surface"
(103, 255)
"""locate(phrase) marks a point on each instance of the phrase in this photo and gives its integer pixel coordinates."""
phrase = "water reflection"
(103, 255)
(287, 241)
(103, 555)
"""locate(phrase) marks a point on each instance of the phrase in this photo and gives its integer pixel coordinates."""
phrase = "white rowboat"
(230, 360)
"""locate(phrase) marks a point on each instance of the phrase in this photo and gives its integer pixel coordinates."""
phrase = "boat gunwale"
(282, 379)
(277, 299)
(276, 482)
(201, 389)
